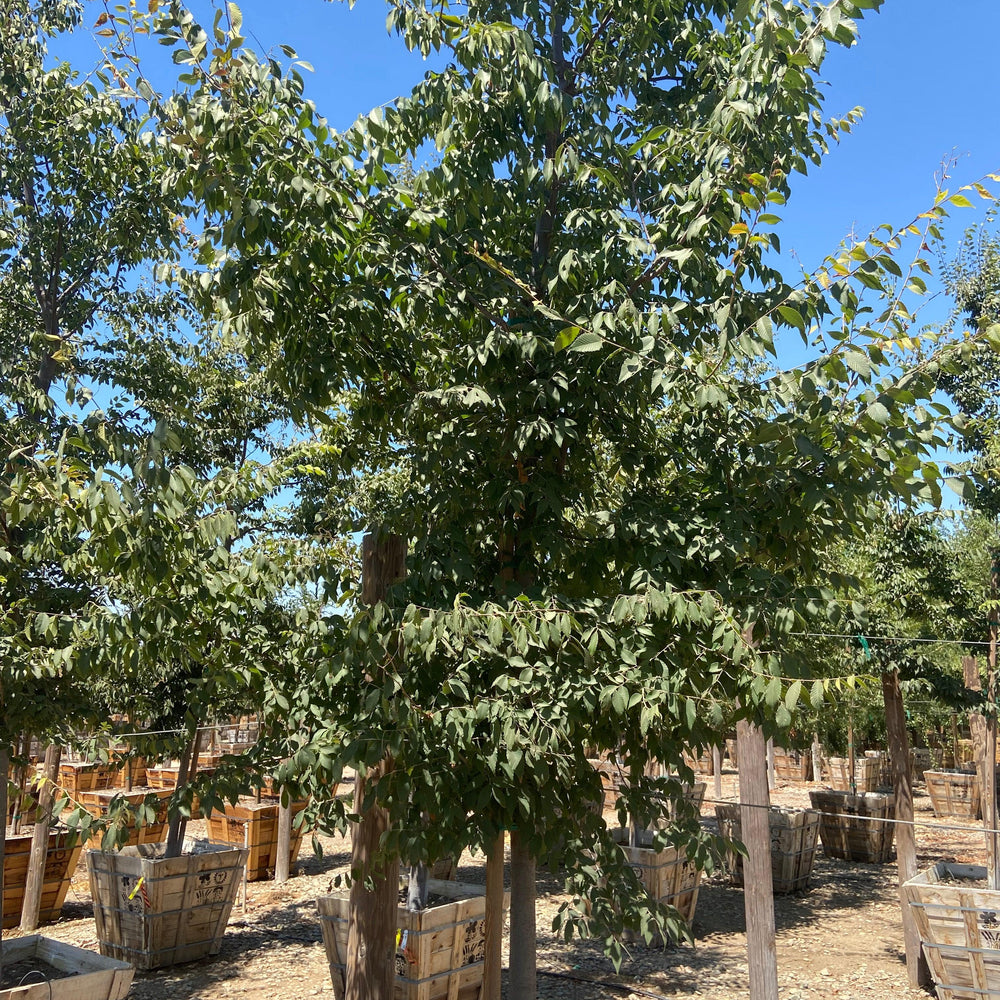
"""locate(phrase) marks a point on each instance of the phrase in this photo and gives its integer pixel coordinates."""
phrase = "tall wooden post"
(717, 770)
(770, 765)
(989, 779)
(493, 931)
(758, 891)
(906, 843)
(32, 905)
(817, 755)
(371, 933)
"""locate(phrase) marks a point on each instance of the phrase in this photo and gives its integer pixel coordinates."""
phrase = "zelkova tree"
(546, 340)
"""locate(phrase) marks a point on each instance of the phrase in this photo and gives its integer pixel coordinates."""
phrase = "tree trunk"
(178, 824)
(758, 892)
(40, 840)
(989, 779)
(523, 975)
(282, 862)
(906, 844)
(817, 755)
(493, 959)
(371, 935)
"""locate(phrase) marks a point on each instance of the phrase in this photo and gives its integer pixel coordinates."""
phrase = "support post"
(717, 770)
(989, 779)
(770, 765)
(493, 931)
(758, 893)
(906, 844)
(39, 840)
(817, 754)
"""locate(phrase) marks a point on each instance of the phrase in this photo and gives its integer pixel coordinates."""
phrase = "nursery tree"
(543, 340)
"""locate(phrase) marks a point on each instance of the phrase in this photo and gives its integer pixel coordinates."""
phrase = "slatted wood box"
(794, 845)
(668, 875)
(154, 911)
(920, 761)
(866, 774)
(61, 857)
(89, 976)
(77, 776)
(856, 827)
(954, 793)
(792, 765)
(99, 804)
(255, 825)
(165, 776)
(958, 920)
(440, 950)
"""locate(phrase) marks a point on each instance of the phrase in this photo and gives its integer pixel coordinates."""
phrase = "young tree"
(544, 338)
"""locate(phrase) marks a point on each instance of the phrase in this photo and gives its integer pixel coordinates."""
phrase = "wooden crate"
(667, 875)
(794, 843)
(61, 857)
(792, 765)
(866, 774)
(956, 917)
(99, 804)
(89, 976)
(954, 793)
(154, 911)
(76, 776)
(731, 752)
(120, 774)
(255, 826)
(856, 827)
(165, 776)
(440, 950)
(881, 758)
(702, 763)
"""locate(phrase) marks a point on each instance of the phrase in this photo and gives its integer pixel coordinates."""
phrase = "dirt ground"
(842, 939)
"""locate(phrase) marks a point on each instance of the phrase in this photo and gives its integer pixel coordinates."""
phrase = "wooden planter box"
(954, 793)
(794, 842)
(154, 911)
(61, 859)
(89, 976)
(82, 776)
(853, 827)
(254, 825)
(920, 761)
(119, 777)
(792, 765)
(98, 804)
(866, 774)
(440, 950)
(667, 875)
(957, 920)
(884, 765)
(165, 777)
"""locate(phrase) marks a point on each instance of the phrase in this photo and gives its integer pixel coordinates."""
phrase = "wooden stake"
(852, 763)
(523, 966)
(989, 779)
(717, 770)
(770, 765)
(906, 844)
(32, 906)
(493, 960)
(758, 892)
(817, 755)
(282, 862)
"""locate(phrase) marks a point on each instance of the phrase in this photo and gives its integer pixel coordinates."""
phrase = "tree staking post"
(758, 893)
(371, 934)
(989, 775)
(32, 906)
(493, 932)
(917, 970)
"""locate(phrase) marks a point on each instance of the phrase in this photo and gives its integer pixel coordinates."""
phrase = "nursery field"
(842, 939)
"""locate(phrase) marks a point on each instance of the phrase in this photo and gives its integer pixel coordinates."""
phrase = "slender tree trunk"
(990, 768)
(906, 844)
(758, 891)
(371, 935)
(817, 755)
(282, 862)
(40, 840)
(493, 931)
(523, 941)
(178, 824)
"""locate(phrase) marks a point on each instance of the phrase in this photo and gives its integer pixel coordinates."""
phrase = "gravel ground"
(841, 940)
